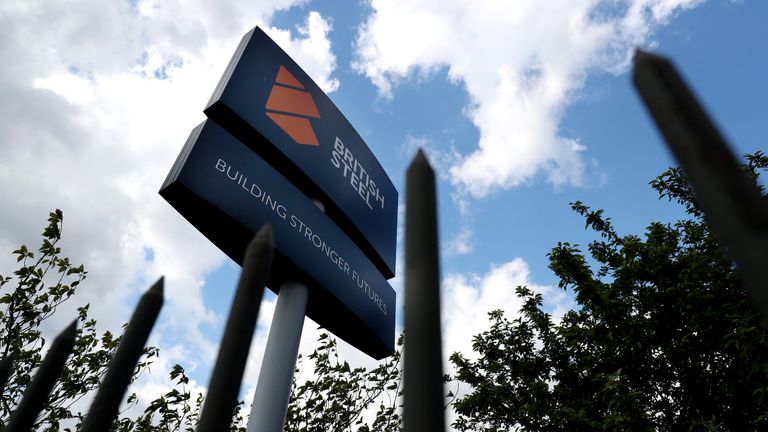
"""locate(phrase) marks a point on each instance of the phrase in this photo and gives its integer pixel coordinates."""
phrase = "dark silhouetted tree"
(663, 338)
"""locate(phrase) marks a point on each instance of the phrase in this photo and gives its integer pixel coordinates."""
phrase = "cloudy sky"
(522, 106)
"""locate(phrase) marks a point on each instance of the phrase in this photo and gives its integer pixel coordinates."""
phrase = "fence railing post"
(732, 204)
(228, 371)
(423, 409)
(38, 390)
(105, 406)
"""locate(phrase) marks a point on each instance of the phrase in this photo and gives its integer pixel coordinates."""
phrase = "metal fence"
(732, 204)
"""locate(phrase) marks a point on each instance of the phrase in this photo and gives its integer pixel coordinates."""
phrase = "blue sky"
(521, 106)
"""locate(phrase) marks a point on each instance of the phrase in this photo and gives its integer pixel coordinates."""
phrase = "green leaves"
(663, 337)
(43, 282)
(55, 222)
(337, 395)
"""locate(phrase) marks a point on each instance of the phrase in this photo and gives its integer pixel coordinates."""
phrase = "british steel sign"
(271, 105)
(228, 192)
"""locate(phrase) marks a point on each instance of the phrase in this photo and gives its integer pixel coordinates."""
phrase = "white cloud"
(314, 50)
(521, 63)
(461, 244)
(467, 299)
(98, 98)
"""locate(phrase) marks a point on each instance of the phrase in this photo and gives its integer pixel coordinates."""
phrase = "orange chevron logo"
(289, 106)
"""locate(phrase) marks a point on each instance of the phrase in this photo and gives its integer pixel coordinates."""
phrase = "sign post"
(273, 389)
(272, 144)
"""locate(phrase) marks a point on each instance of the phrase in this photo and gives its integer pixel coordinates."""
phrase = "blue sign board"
(270, 104)
(227, 191)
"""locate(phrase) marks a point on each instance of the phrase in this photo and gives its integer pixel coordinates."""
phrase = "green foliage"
(334, 399)
(45, 280)
(175, 410)
(664, 337)
(337, 396)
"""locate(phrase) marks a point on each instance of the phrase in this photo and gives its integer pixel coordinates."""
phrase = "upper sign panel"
(269, 103)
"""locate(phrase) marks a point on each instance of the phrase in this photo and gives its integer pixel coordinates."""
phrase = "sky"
(521, 106)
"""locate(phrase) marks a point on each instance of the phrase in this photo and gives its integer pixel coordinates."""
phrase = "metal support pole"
(423, 395)
(273, 389)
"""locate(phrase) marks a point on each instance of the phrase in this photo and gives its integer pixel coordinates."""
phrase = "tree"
(664, 337)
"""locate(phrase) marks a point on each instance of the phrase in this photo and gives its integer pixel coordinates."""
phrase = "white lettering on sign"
(252, 188)
(256, 191)
(351, 168)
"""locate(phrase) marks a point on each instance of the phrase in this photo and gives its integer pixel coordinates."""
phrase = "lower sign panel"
(228, 192)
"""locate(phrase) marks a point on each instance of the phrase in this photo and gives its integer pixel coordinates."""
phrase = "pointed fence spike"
(106, 404)
(642, 55)
(38, 390)
(227, 374)
(733, 205)
(265, 236)
(158, 288)
(420, 156)
(422, 358)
